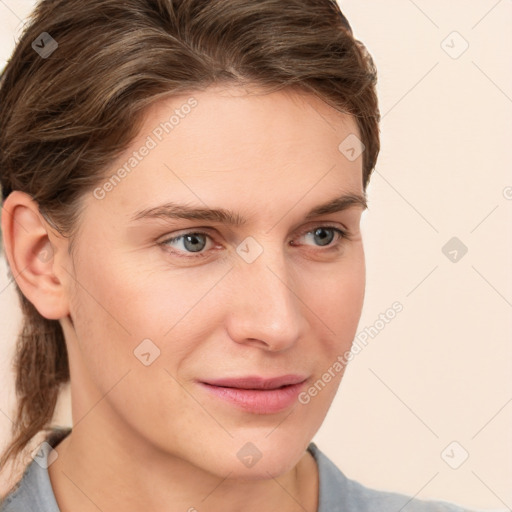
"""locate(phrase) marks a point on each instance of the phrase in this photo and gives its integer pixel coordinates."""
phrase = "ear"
(31, 246)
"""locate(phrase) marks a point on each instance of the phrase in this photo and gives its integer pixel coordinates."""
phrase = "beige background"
(441, 370)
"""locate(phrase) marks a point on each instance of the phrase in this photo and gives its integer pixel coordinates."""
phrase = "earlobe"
(32, 255)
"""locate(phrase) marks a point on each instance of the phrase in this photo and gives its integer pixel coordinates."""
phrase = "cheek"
(339, 304)
(342, 299)
(113, 311)
(127, 302)
(338, 299)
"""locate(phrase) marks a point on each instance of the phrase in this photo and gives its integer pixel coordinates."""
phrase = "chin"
(267, 467)
(258, 460)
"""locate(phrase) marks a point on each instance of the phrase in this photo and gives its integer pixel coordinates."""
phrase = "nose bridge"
(265, 307)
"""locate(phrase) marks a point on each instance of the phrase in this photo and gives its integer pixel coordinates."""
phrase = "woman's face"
(267, 292)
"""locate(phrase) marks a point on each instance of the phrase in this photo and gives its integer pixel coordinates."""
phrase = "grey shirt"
(337, 493)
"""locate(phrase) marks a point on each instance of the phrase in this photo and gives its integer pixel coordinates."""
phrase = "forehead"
(247, 119)
(230, 144)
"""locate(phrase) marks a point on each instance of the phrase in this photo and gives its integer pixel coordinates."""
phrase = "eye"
(193, 242)
(324, 235)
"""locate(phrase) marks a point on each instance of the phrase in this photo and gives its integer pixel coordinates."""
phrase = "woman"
(183, 183)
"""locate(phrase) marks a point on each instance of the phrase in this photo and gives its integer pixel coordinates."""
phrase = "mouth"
(257, 395)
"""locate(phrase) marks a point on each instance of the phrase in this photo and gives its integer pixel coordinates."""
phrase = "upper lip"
(256, 382)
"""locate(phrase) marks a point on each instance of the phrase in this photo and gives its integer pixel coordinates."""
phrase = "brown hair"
(65, 116)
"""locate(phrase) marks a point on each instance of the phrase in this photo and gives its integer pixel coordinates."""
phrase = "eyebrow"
(172, 210)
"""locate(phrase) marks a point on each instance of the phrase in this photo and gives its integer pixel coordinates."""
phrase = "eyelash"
(342, 235)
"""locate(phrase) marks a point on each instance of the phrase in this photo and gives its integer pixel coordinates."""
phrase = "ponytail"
(41, 366)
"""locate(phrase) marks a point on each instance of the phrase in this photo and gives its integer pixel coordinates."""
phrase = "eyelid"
(325, 224)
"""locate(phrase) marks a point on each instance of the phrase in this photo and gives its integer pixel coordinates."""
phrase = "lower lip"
(258, 401)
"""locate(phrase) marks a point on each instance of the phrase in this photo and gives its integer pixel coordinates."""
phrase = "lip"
(256, 394)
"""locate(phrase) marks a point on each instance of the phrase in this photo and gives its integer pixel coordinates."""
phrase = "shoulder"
(34, 491)
(338, 493)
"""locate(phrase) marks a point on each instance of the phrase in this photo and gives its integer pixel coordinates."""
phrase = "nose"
(266, 309)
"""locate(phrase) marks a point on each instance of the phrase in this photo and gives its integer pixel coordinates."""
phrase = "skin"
(145, 437)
